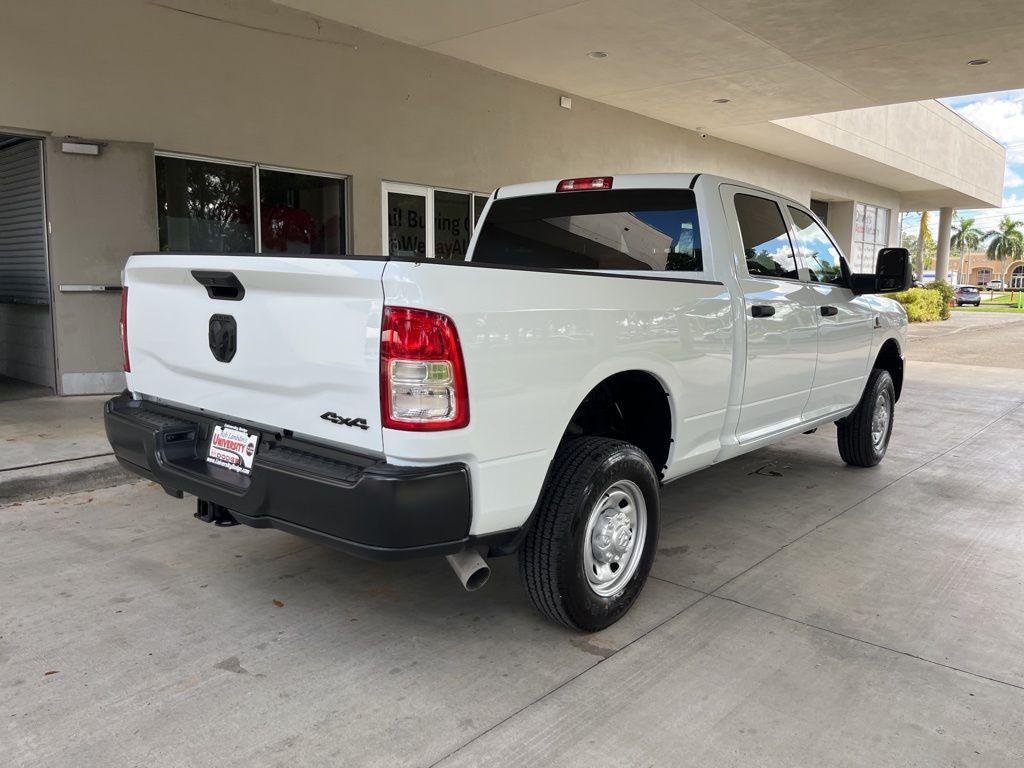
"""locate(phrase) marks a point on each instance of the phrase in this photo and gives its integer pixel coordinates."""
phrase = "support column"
(942, 245)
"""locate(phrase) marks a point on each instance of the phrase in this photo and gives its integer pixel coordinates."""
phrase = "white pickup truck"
(603, 336)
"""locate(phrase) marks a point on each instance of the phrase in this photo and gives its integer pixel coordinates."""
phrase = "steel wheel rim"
(880, 420)
(613, 541)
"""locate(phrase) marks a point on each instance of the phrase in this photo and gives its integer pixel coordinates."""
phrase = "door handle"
(762, 310)
(829, 311)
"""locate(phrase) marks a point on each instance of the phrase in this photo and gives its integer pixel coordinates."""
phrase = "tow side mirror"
(892, 274)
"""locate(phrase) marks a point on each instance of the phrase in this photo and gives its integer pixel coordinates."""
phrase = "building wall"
(266, 88)
(925, 139)
(357, 104)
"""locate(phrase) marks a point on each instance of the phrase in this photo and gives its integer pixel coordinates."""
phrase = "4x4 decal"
(335, 418)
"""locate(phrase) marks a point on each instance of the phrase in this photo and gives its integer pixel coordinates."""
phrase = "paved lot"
(972, 338)
(802, 613)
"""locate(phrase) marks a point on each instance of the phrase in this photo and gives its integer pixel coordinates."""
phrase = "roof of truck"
(620, 181)
(629, 181)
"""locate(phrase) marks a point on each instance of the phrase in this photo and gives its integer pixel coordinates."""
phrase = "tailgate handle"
(220, 285)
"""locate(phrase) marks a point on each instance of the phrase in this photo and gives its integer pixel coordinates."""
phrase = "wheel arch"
(633, 405)
(890, 358)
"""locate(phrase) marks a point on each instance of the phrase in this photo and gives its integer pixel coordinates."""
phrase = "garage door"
(22, 235)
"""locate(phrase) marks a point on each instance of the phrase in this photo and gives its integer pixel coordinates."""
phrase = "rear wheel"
(590, 548)
(864, 434)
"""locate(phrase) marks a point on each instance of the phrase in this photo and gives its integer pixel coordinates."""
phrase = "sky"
(1001, 116)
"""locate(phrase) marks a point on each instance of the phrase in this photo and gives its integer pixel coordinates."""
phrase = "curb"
(62, 477)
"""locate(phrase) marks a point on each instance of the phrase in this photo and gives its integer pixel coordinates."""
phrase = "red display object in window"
(281, 225)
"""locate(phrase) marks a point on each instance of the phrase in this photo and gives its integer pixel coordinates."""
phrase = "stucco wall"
(923, 138)
(140, 75)
(361, 105)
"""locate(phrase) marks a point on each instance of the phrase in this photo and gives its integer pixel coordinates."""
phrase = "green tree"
(925, 243)
(1006, 241)
(966, 236)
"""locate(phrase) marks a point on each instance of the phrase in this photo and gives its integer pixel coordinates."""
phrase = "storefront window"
(870, 233)
(452, 225)
(301, 213)
(407, 224)
(427, 222)
(479, 201)
(206, 206)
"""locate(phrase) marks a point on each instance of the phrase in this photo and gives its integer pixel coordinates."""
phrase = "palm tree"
(1006, 241)
(966, 236)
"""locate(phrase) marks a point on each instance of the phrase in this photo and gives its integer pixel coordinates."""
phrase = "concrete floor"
(51, 429)
(801, 613)
(16, 389)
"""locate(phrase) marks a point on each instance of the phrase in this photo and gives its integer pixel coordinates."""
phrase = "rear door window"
(766, 244)
(625, 229)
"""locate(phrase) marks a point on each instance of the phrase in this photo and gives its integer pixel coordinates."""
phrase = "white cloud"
(1001, 118)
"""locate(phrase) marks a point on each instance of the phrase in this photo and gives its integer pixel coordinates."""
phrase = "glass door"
(407, 210)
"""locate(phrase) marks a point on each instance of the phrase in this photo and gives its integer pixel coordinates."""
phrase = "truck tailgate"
(307, 336)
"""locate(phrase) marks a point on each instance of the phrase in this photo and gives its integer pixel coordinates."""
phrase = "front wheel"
(864, 434)
(592, 542)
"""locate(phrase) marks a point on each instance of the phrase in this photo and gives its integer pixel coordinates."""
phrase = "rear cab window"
(644, 230)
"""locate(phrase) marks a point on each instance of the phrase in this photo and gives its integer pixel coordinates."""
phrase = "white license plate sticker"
(232, 447)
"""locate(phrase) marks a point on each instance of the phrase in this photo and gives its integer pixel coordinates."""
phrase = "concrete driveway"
(801, 613)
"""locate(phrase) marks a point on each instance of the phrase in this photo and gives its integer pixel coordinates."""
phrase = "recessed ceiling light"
(978, 62)
(719, 101)
(598, 55)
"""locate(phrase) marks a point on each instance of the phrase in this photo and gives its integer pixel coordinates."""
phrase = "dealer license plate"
(232, 447)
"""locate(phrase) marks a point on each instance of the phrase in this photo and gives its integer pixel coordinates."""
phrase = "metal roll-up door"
(23, 276)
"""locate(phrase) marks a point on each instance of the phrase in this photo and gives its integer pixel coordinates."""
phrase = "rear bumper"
(351, 501)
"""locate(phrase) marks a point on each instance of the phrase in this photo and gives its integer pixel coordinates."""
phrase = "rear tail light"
(422, 374)
(581, 185)
(124, 329)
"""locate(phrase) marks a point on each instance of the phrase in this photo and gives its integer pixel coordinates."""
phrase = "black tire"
(552, 557)
(857, 445)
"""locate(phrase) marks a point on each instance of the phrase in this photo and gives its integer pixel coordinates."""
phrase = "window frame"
(426, 191)
(346, 185)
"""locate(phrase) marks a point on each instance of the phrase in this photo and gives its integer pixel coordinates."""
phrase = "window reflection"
(301, 213)
(452, 225)
(204, 207)
(637, 229)
(407, 224)
(766, 245)
(816, 250)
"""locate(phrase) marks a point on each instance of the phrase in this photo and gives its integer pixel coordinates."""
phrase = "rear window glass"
(635, 229)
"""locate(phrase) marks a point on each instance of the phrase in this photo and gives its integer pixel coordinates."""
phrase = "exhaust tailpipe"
(471, 569)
